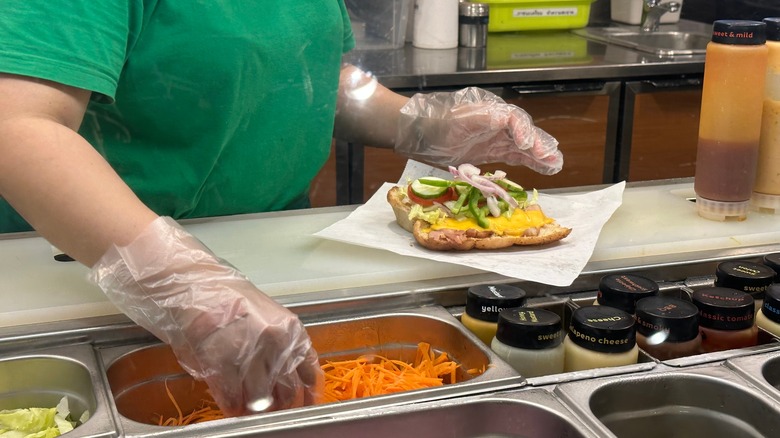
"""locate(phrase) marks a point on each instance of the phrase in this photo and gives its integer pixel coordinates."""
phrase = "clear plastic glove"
(253, 353)
(474, 126)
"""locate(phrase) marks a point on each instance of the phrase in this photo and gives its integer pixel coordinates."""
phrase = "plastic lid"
(739, 32)
(528, 328)
(602, 328)
(485, 301)
(722, 211)
(749, 277)
(679, 319)
(772, 28)
(624, 290)
(724, 308)
(771, 306)
(773, 261)
(765, 203)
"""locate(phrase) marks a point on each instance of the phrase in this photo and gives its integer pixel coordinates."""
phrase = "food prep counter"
(655, 230)
(524, 57)
(60, 336)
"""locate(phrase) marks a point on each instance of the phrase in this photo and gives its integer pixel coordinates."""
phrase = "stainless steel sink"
(661, 43)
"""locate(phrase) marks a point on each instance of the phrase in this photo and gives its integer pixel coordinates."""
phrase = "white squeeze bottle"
(600, 337)
(530, 341)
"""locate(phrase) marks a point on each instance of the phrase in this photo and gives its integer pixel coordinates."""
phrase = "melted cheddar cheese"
(516, 225)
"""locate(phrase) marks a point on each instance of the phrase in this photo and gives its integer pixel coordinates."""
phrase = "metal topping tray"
(531, 412)
(761, 370)
(138, 374)
(41, 378)
(119, 372)
(710, 401)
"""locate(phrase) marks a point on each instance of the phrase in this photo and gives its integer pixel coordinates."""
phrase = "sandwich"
(472, 211)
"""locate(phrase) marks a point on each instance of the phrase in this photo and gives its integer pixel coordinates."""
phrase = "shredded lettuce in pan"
(38, 422)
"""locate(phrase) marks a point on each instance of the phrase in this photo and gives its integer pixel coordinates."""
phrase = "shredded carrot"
(377, 375)
(207, 411)
(355, 378)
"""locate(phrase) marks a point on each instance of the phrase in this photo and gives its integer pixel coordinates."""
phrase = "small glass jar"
(530, 341)
(768, 317)
(667, 328)
(726, 319)
(622, 291)
(749, 277)
(483, 304)
(599, 337)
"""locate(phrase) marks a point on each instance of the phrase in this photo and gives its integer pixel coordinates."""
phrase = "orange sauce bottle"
(766, 192)
(730, 121)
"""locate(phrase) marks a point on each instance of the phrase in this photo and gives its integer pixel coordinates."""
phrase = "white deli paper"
(558, 264)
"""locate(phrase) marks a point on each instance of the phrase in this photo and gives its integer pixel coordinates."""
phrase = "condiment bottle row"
(628, 315)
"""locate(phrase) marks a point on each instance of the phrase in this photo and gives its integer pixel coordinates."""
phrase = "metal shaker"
(472, 24)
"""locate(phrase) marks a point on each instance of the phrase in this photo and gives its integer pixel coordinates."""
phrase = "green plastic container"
(515, 15)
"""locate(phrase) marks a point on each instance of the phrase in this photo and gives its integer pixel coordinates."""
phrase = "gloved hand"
(473, 126)
(252, 352)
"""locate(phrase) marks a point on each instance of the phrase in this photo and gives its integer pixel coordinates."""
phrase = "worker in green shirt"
(118, 117)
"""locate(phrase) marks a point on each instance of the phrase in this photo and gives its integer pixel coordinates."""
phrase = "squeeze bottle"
(730, 121)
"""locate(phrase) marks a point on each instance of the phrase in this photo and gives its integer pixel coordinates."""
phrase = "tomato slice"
(449, 195)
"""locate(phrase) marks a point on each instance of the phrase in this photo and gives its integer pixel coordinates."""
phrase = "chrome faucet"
(653, 10)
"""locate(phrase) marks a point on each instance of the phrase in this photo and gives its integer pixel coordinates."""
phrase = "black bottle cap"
(772, 28)
(624, 290)
(678, 318)
(771, 306)
(724, 308)
(528, 328)
(773, 262)
(752, 278)
(602, 328)
(485, 301)
(739, 32)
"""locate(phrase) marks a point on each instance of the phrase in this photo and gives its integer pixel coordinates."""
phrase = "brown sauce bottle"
(730, 120)
(726, 319)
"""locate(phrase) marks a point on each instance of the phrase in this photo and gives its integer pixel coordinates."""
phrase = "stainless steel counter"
(523, 57)
(95, 360)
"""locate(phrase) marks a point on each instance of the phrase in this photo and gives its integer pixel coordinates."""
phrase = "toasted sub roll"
(468, 235)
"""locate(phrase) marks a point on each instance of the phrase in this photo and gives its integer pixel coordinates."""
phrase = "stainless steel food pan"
(40, 378)
(528, 413)
(763, 370)
(139, 374)
(709, 401)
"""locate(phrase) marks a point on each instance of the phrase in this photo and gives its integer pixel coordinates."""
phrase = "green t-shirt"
(204, 108)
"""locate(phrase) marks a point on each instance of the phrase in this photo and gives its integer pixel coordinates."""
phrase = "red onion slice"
(471, 174)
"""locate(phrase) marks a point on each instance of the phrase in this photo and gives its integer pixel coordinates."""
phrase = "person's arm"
(367, 112)
(54, 178)
(253, 353)
(470, 125)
